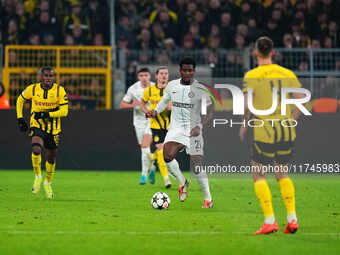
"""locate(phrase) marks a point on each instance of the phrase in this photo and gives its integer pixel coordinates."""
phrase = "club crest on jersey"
(191, 94)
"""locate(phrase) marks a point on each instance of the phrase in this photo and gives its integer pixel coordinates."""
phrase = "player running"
(273, 143)
(132, 99)
(185, 129)
(49, 105)
(159, 125)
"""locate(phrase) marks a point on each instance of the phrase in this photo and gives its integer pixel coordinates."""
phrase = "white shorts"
(141, 131)
(193, 145)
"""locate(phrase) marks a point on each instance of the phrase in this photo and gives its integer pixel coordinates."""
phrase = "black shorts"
(51, 142)
(267, 153)
(158, 135)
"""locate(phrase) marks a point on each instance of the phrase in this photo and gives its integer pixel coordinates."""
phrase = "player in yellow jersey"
(49, 105)
(273, 142)
(159, 125)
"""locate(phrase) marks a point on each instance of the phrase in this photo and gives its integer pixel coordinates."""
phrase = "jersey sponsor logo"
(182, 105)
(38, 103)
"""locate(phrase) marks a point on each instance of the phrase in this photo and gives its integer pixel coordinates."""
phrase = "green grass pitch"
(110, 213)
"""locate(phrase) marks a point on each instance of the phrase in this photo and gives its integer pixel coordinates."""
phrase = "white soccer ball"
(160, 201)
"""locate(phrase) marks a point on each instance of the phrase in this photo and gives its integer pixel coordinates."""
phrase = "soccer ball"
(160, 201)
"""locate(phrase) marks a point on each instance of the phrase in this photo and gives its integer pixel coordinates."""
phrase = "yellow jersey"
(262, 80)
(53, 100)
(153, 95)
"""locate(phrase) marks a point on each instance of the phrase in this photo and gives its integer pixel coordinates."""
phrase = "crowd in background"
(197, 24)
(161, 32)
(54, 22)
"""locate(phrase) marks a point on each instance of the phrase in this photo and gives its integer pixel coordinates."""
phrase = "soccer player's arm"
(295, 83)
(127, 101)
(145, 99)
(63, 105)
(210, 111)
(248, 82)
(164, 102)
(24, 96)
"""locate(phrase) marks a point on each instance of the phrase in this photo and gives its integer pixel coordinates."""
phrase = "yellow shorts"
(273, 142)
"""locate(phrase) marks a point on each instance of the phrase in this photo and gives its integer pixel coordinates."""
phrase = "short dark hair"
(187, 61)
(264, 45)
(161, 68)
(46, 68)
(144, 70)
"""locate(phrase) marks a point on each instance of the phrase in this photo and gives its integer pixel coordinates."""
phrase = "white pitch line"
(62, 232)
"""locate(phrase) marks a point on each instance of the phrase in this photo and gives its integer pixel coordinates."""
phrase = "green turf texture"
(110, 213)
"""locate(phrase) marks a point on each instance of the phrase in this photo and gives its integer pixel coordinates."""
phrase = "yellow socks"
(36, 163)
(288, 197)
(161, 163)
(265, 198)
(50, 169)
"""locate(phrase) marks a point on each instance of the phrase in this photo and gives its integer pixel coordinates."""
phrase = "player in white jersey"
(185, 130)
(132, 99)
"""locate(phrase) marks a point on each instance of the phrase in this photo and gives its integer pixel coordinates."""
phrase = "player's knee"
(168, 157)
(36, 149)
(50, 160)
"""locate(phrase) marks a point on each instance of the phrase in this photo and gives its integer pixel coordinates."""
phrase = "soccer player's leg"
(170, 149)
(144, 140)
(202, 179)
(284, 155)
(158, 137)
(145, 148)
(51, 146)
(262, 156)
(37, 145)
(196, 155)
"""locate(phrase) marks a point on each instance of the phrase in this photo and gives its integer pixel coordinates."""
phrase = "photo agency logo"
(238, 98)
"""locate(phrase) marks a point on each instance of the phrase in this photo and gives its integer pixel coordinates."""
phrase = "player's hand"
(41, 115)
(23, 127)
(195, 131)
(135, 103)
(148, 114)
(153, 114)
(243, 131)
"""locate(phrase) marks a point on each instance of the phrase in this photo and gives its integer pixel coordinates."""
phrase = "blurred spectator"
(144, 40)
(214, 11)
(13, 35)
(194, 31)
(333, 33)
(44, 27)
(158, 35)
(201, 19)
(168, 24)
(78, 35)
(96, 11)
(76, 17)
(273, 31)
(162, 7)
(227, 30)
(253, 31)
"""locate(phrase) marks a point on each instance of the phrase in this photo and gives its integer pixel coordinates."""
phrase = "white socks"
(291, 217)
(202, 179)
(145, 152)
(173, 168)
(270, 220)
